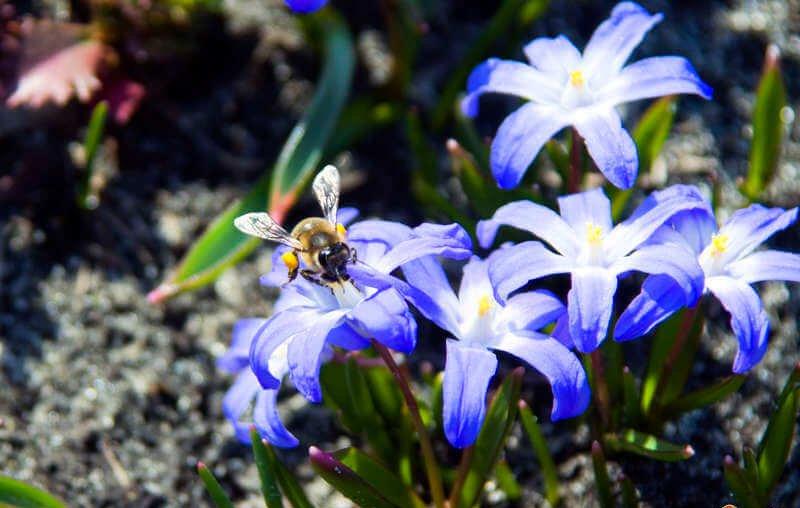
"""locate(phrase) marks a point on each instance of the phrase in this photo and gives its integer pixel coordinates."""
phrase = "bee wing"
(260, 224)
(326, 188)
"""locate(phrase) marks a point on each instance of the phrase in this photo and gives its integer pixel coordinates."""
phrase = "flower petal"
(654, 77)
(305, 354)
(276, 331)
(767, 265)
(385, 317)
(387, 232)
(693, 227)
(582, 208)
(531, 311)
(344, 336)
(268, 421)
(512, 267)
(558, 364)
(450, 241)
(749, 227)
(615, 39)
(589, 304)
(467, 373)
(610, 146)
(507, 77)
(305, 6)
(537, 219)
(555, 56)
(660, 297)
(237, 356)
(519, 138)
(674, 260)
(442, 307)
(239, 396)
(631, 233)
(749, 321)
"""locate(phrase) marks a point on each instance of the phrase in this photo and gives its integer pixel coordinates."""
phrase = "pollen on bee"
(719, 244)
(485, 304)
(577, 79)
(290, 260)
(341, 230)
(594, 233)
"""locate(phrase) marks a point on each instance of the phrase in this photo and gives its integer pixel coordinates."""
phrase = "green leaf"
(222, 245)
(768, 126)
(491, 440)
(773, 450)
(704, 396)
(630, 396)
(214, 489)
(601, 480)
(630, 499)
(649, 446)
(22, 495)
(509, 12)
(649, 135)
(546, 463)
(269, 482)
(365, 411)
(291, 489)
(336, 395)
(740, 485)
(507, 481)
(376, 474)
(346, 481)
(670, 365)
(94, 134)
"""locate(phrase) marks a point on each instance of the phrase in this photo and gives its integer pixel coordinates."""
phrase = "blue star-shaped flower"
(566, 88)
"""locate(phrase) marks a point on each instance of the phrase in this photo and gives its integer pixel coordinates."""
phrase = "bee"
(319, 241)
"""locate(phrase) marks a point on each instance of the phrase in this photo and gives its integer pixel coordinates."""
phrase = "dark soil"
(107, 400)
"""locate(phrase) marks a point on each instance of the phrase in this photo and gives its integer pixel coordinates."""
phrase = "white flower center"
(712, 258)
(592, 253)
(577, 91)
(477, 327)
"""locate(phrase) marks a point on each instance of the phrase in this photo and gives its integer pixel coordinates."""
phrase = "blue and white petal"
(556, 56)
(467, 373)
(513, 267)
(660, 297)
(268, 421)
(654, 77)
(749, 321)
(767, 265)
(557, 363)
(589, 304)
(610, 145)
(534, 218)
(305, 351)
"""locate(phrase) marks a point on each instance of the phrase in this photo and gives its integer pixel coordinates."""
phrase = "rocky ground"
(107, 400)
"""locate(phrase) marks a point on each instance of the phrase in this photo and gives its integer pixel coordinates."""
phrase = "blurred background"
(108, 400)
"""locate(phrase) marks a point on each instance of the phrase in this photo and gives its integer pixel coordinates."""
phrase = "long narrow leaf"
(768, 126)
(649, 446)
(376, 474)
(94, 134)
(214, 489)
(269, 481)
(601, 480)
(221, 245)
(773, 450)
(705, 396)
(20, 494)
(347, 481)
(739, 483)
(546, 463)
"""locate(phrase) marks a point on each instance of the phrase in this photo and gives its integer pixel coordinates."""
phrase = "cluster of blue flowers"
(672, 237)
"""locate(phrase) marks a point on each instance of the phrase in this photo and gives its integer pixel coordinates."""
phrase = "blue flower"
(729, 265)
(246, 389)
(595, 253)
(310, 319)
(479, 323)
(566, 88)
(305, 6)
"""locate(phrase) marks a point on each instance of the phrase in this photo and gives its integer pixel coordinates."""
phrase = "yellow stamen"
(719, 244)
(594, 234)
(576, 79)
(341, 230)
(290, 260)
(485, 304)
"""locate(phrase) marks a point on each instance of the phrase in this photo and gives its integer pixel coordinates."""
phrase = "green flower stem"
(575, 163)
(428, 457)
(463, 470)
(600, 388)
(680, 341)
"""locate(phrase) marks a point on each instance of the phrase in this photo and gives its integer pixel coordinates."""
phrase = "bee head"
(333, 257)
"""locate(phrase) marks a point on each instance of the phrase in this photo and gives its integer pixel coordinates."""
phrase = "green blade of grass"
(269, 482)
(549, 472)
(214, 489)
(649, 446)
(222, 245)
(704, 396)
(601, 481)
(376, 474)
(768, 126)
(22, 495)
(347, 481)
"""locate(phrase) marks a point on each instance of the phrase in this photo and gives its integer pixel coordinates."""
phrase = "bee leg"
(311, 276)
(353, 255)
